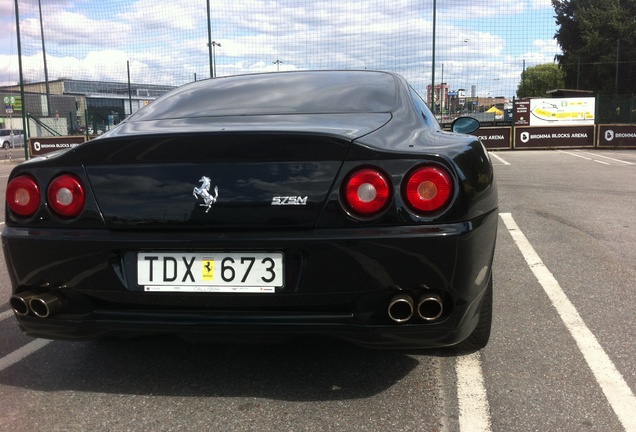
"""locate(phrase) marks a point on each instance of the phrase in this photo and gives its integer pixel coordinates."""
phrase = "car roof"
(301, 92)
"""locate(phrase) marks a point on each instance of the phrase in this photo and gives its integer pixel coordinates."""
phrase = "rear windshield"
(279, 93)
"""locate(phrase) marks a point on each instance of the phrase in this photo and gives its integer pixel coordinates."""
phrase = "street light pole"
(210, 39)
(442, 93)
(46, 69)
(214, 44)
(433, 58)
(278, 63)
(25, 123)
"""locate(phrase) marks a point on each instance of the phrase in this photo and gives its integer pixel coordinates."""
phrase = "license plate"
(244, 272)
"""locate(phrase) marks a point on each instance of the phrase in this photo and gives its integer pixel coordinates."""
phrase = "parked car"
(11, 138)
(91, 131)
(269, 205)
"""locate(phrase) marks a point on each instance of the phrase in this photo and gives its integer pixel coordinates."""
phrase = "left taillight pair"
(65, 196)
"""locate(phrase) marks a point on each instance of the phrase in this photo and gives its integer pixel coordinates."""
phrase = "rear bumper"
(249, 328)
(338, 283)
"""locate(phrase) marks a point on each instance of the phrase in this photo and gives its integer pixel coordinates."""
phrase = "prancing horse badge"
(203, 192)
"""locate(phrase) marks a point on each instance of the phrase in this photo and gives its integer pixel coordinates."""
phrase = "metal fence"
(120, 55)
(615, 109)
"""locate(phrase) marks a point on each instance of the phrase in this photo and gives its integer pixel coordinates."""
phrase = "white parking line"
(618, 394)
(607, 157)
(583, 157)
(500, 159)
(474, 411)
(6, 314)
(20, 353)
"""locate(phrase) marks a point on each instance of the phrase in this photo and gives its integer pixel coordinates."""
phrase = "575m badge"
(289, 200)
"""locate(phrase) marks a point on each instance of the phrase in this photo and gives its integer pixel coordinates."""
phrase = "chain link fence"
(615, 109)
(103, 60)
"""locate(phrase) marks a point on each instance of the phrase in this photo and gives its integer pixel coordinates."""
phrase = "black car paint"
(139, 198)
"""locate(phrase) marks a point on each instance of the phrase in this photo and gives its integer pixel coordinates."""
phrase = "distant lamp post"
(209, 38)
(433, 57)
(46, 70)
(278, 63)
(214, 44)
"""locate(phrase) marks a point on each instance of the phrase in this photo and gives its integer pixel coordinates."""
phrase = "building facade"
(77, 105)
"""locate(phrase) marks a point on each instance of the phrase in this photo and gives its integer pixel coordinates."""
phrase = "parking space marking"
(6, 314)
(21, 353)
(499, 158)
(474, 411)
(583, 157)
(607, 157)
(618, 394)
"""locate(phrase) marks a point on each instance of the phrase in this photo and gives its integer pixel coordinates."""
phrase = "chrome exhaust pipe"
(401, 308)
(20, 302)
(45, 305)
(430, 307)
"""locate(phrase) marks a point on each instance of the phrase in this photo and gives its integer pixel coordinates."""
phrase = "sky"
(478, 43)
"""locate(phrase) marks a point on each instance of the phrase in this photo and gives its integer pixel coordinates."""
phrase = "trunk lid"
(237, 173)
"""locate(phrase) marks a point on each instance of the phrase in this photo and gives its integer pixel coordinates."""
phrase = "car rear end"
(254, 226)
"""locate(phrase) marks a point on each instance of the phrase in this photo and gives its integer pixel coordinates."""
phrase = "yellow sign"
(570, 111)
(207, 269)
(12, 101)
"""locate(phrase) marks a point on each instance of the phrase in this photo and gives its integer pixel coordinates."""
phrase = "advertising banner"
(522, 112)
(562, 111)
(495, 137)
(617, 136)
(12, 103)
(41, 145)
(551, 137)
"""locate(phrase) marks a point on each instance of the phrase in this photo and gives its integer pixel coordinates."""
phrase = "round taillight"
(66, 196)
(428, 189)
(23, 196)
(367, 192)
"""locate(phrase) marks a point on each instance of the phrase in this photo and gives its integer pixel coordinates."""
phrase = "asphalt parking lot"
(560, 357)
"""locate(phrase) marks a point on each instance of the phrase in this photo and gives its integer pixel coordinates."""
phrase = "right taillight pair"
(426, 189)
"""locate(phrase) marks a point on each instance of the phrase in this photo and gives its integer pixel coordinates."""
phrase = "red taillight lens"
(428, 189)
(66, 196)
(23, 196)
(367, 192)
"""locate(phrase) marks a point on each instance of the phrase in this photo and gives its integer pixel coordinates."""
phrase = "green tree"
(598, 44)
(537, 80)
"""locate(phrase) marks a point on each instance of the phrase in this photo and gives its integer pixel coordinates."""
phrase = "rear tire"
(5, 145)
(478, 339)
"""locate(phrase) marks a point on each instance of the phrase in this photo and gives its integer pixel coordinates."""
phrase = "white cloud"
(166, 41)
(541, 4)
(161, 13)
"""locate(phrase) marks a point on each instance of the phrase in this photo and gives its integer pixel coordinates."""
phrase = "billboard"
(522, 112)
(551, 137)
(562, 111)
(495, 137)
(42, 145)
(617, 136)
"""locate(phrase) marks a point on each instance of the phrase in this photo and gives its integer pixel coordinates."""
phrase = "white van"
(11, 138)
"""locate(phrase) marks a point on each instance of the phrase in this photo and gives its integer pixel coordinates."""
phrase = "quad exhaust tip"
(402, 307)
(430, 307)
(40, 305)
(20, 302)
(46, 305)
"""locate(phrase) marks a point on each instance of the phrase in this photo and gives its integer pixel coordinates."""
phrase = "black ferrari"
(316, 203)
